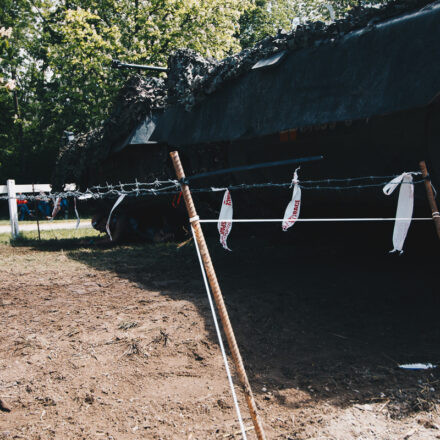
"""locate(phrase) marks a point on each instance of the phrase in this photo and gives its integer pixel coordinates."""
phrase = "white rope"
(276, 220)
(220, 340)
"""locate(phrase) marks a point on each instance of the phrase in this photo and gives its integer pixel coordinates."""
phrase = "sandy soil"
(101, 342)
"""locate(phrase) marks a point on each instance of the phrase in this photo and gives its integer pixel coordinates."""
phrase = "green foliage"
(5, 34)
(80, 83)
(266, 17)
(59, 55)
(4, 98)
(15, 16)
(53, 240)
(206, 26)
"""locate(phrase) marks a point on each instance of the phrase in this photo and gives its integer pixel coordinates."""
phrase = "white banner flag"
(56, 207)
(78, 220)
(107, 226)
(405, 206)
(224, 226)
(292, 211)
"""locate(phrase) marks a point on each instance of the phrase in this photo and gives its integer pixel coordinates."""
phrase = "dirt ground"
(117, 342)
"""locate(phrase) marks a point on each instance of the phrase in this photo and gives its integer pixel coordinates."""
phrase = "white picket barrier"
(12, 202)
(11, 189)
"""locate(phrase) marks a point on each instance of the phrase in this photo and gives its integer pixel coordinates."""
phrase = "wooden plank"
(45, 187)
(12, 202)
(431, 197)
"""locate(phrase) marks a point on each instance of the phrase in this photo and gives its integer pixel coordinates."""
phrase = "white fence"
(11, 189)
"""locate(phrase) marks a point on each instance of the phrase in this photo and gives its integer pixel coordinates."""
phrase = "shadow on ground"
(328, 311)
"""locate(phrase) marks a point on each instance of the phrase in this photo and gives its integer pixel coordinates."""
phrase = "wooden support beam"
(218, 297)
(431, 198)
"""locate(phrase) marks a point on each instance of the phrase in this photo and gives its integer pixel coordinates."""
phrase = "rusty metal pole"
(431, 199)
(218, 297)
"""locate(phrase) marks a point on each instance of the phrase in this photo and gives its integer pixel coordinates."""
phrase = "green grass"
(7, 222)
(67, 237)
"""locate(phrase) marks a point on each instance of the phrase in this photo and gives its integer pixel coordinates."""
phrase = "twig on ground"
(4, 407)
(233, 434)
(339, 336)
(127, 325)
(384, 405)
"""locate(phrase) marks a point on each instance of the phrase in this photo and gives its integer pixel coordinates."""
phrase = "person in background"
(64, 205)
(43, 205)
(22, 205)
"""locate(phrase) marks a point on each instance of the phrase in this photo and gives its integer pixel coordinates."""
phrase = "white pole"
(12, 200)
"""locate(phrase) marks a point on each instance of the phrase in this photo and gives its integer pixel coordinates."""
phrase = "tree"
(56, 61)
(15, 62)
(266, 17)
(5, 34)
(68, 78)
(80, 83)
(80, 43)
(206, 26)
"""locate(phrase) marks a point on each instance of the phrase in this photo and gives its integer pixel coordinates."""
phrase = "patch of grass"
(34, 221)
(54, 239)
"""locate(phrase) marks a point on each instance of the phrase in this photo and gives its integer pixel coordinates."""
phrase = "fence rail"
(11, 189)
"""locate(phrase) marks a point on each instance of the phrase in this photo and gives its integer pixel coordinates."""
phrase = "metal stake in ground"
(218, 297)
(431, 199)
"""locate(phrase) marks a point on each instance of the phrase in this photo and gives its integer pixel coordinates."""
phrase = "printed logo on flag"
(224, 226)
(292, 211)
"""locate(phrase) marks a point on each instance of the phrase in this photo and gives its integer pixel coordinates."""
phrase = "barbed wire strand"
(171, 187)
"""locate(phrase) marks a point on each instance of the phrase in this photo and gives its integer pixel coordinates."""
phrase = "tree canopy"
(55, 62)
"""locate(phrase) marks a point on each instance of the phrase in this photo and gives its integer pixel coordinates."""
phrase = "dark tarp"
(381, 69)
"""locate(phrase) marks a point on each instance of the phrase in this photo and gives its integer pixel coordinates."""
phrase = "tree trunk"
(21, 152)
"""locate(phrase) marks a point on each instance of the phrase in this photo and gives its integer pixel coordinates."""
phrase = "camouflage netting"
(136, 100)
(191, 78)
(186, 74)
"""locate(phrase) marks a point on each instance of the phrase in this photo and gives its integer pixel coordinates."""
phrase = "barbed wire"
(137, 185)
(302, 185)
(172, 187)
